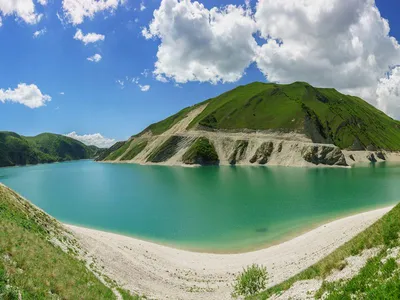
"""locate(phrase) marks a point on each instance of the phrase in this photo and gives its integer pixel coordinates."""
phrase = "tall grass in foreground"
(384, 233)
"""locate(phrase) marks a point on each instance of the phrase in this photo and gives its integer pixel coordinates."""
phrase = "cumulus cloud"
(42, 2)
(198, 44)
(388, 93)
(95, 58)
(88, 38)
(38, 33)
(23, 9)
(28, 95)
(76, 11)
(341, 44)
(95, 139)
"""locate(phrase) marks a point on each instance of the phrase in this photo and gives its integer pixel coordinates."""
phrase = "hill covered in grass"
(323, 114)
(43, 148)
(348, 273)
(267, 123)
(40, 260)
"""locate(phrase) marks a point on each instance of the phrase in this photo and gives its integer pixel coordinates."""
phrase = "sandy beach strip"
(162, 272)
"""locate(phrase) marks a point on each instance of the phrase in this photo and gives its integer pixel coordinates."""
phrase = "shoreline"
(159, 271)
(238, 249)
(358, 157)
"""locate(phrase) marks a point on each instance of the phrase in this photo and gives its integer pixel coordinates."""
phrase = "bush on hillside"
(251, 281)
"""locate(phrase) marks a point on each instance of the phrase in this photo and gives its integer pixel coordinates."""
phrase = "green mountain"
(263, 122)
(323, 114)
(43, 148)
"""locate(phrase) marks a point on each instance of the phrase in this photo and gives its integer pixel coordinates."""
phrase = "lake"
(219, 209)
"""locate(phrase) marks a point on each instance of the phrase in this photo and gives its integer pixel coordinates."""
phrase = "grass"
(325, 115)
(164, 125)
(43, 148)
(201, 152)
(119, 151)
(30, 265)
(103, 155)
(135, 148)
(385, 233)
(322, 114)
(168, 149)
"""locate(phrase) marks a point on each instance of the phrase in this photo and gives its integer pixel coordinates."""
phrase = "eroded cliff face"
(235, 149)
(179, 146)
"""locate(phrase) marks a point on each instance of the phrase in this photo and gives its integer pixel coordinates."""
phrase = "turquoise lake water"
(208, 209)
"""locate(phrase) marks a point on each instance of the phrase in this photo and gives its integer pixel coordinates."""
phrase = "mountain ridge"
(274, 113)
(16, 149)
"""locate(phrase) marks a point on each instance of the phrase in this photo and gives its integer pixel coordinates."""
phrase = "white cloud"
(42, 2)
(88, 38)
(145, 73)
(142, 6)
(343, 44)
(337, 43)
(95, 58)
(23, 9)
(28, 95)
(95, 139)
(144, 88)
(120, 83)
(62, 93)
(76, 11)
(198, 44)
(388, 93)
(134, 80)
(38, 33)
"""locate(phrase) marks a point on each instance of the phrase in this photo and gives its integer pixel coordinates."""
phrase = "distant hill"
(284, 112)
(43, 148)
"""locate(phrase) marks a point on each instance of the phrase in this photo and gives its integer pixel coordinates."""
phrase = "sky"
(103, 70)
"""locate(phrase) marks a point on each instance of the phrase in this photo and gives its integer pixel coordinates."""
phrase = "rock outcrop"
(324, 154)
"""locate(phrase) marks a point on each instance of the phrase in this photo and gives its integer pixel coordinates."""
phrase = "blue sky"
(92, 100)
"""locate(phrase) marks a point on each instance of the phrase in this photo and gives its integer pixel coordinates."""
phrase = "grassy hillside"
(325, 115)
(31, 266)
(378, 279)
(201, 152)
(43, 148)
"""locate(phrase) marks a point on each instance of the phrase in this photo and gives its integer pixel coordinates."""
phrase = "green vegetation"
(135, 148)
(43, 148)
(201, 152)
(168, 149)
(106, 152)
(30, 265)
(325, 115)
(164, 125)
(121, 147)
(374, 280)
(251, 281)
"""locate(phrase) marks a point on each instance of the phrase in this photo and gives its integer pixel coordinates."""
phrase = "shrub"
(252, 280)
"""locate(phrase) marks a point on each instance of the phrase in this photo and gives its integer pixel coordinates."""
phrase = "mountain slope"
(31, 265)
(43, 148)
(325, 115)
(257, 114)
